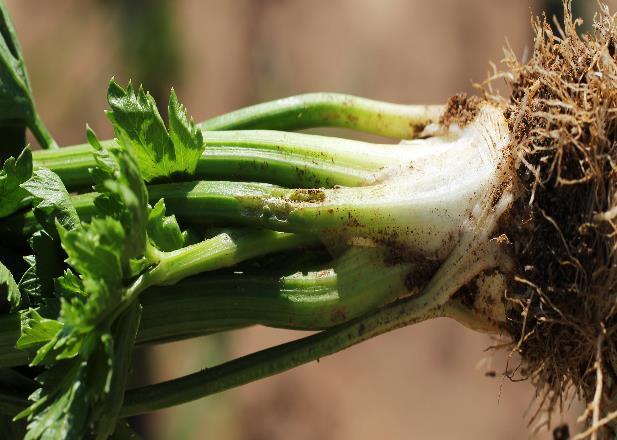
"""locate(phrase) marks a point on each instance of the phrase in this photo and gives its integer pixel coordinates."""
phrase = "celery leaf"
(14, 172)
(163, 231)
(52, 203)
(140, 129)
(86, 346)
(9, 288)
(16, 102)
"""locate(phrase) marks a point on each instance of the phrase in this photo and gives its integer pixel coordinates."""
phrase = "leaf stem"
(277, 359)
(279, 164)
(264, 363)
(355, 283)
(40, 132)
(330, 110)
(224, 250)
(474, 254)
(332, 293)
(290, 159)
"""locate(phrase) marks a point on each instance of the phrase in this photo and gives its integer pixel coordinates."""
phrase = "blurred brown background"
(425, 382)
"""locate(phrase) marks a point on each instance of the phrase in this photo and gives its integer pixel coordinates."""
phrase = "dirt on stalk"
(461, 109)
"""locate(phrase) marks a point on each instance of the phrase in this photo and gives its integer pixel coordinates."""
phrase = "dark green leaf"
(86, 346)
(8, 288)
(13, 174)
(16, 102)
(124, 432)
(52, 207)
(37, 283)
(124, 332)
(51, 201)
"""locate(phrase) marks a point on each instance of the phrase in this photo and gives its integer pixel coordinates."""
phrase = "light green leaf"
(123, 195)
(140, 129)
(163, 231)
(73, 388)
(36, 330)
(95, 251)
(186, 137)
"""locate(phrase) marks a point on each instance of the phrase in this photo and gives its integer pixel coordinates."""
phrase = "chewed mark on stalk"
(308, 196)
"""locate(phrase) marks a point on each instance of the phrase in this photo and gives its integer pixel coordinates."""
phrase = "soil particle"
(562, 432)
(461, 109)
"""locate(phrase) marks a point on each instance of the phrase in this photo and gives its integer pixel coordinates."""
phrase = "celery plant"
(240, 221)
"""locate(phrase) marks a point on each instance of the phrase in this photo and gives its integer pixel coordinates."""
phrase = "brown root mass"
(563, 298)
